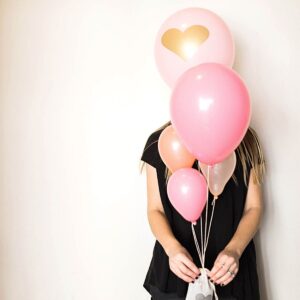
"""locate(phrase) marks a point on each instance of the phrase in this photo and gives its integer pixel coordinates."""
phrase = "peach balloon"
(173, 153)
(190, 37)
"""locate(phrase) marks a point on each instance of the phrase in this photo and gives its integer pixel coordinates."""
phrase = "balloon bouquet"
(210, 113)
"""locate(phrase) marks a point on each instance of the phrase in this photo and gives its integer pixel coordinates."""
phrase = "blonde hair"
(249, 150)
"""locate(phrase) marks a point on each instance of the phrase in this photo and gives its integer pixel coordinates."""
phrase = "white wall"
(79, 94)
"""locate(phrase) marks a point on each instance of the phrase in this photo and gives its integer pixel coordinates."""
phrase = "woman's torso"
(227, 214)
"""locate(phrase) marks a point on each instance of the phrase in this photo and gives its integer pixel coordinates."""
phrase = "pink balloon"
(210, 110)
(187, 191)
(190, 37)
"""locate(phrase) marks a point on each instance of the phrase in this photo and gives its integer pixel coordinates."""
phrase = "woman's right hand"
(181, 264)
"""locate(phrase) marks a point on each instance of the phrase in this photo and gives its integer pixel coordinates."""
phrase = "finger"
(231, 277)
(218, 266)
(214, 270)
(183, 276)
(226, 262)
(218, 275)
(223, 278)
(224, 269)
(189, 263)
(219, 262)
(184, 269)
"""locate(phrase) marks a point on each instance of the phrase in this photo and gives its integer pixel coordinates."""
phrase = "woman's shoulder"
(153, 137)
(150, 152)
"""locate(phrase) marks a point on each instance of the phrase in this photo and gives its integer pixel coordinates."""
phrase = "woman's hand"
(181, 263)
(225, 267)
(228, 259)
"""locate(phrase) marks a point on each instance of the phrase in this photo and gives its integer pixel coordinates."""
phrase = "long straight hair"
(248, 150)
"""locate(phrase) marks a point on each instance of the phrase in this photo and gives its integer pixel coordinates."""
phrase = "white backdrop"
(79, 95)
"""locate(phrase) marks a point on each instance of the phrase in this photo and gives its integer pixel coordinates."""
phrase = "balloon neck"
(214, 200)
(194, 223)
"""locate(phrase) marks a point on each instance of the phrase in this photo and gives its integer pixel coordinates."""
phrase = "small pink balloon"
(190, 37)
(219, 173)
(210, 111)
(187, 191)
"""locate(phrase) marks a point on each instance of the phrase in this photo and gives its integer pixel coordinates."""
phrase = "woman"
(230, 254)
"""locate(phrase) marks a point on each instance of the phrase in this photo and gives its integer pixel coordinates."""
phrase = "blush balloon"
(219, 174)
(190, 37)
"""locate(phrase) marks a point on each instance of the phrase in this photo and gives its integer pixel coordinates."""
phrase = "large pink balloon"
(190, 37)
(210, 110)
(187, 191)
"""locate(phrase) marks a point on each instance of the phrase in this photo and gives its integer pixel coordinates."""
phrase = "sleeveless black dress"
(228, 212)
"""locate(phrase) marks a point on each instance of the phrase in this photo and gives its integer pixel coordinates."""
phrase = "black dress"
(228, 212)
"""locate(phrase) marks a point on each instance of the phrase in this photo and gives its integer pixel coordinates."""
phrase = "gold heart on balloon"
(186, 43)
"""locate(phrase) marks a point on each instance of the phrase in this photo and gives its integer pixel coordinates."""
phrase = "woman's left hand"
(225, 267)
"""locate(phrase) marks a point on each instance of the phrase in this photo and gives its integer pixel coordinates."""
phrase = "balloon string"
(206, 212)
(210, 221)
(204, 242)
(197, 246)
(207, 231)
(201, 228)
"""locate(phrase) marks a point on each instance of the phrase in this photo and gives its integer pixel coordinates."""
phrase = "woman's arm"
(228, 259)
(181, 262)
